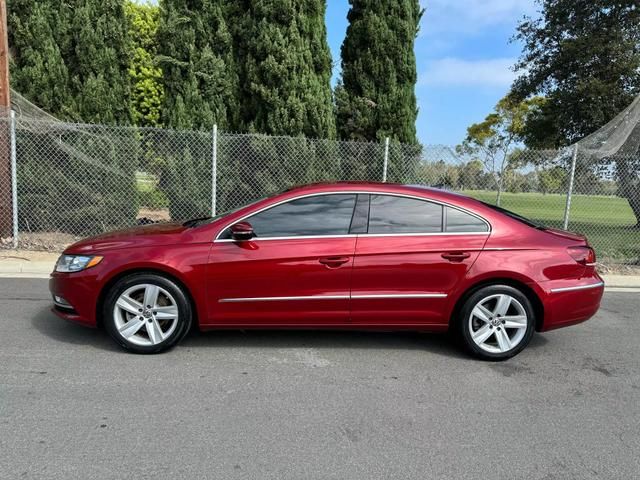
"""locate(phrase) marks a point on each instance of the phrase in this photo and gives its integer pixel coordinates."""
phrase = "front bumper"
(80, 292)
(567, 302)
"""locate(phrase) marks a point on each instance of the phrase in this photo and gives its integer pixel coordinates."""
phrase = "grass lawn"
(607, 221)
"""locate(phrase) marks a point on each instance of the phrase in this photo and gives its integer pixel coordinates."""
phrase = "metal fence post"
(14, 179)
(386, 159)
(567, 207)
(214, 169)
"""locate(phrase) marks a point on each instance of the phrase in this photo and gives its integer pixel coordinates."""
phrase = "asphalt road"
(306, 405)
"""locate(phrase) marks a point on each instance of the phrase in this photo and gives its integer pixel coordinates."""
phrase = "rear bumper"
(567, 302)
(78, 290)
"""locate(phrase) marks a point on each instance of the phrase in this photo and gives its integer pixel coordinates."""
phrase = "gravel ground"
(307, 405)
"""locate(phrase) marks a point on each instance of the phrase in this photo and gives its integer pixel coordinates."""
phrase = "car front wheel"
(496, 322)
(146, 313)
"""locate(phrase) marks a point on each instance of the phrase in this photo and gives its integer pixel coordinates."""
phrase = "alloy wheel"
(498, 323)
(145, 314)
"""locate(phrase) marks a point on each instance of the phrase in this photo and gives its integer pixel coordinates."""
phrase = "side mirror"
(242, 231)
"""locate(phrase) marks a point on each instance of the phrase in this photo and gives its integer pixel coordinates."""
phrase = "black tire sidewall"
(184, 311)
(471, 302)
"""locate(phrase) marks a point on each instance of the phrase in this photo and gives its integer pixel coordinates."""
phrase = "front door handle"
(456, 256)
(333, 262)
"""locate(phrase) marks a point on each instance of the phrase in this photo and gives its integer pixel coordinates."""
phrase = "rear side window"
(459, 221)
(515, 216)
(317, 215)
(390, 214)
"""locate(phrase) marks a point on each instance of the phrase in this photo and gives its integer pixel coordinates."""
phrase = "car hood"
(147, 235)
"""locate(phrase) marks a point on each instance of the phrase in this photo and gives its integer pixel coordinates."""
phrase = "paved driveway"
(306, 405)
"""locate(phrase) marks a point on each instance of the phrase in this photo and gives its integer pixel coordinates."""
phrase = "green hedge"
(76, 180)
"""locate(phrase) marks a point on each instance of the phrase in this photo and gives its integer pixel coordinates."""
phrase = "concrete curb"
(10, 268)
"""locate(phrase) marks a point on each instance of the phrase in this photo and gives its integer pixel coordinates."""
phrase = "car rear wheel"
(496, 322)
(146, 313)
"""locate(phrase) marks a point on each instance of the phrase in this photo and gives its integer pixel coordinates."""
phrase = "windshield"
(196, 222)
(515, 216)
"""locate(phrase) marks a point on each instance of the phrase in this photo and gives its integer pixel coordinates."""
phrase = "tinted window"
(459, 221)
(389, 214)
(515, 216)
(317, 215)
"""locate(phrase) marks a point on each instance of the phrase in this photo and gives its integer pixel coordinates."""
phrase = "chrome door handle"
(333, 262)
(456, 256)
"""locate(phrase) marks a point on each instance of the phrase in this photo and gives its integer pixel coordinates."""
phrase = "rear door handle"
(333, 262)
(456, 256)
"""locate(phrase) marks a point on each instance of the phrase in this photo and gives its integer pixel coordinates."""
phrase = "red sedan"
(345, 255)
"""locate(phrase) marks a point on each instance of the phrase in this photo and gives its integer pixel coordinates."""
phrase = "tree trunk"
(629, 183)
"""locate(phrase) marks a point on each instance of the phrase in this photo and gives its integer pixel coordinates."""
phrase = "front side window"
(316, 215)
(391, 214)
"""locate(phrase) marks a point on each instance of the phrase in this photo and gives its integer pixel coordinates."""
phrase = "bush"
(152, 198)
(75, 179)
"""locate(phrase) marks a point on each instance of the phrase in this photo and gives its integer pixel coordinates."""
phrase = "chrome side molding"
(333, 297)
(578, 287)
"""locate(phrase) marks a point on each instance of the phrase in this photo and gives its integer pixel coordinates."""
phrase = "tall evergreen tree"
(376, 97)
(71, 57)
(38, 69)
(286, 67)
(199, 68)
(98, 61)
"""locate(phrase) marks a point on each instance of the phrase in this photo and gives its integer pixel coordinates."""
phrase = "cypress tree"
(98, 61)
(376, 96)
(199, 73)
(71, 58)
(38, 69)
(286, 63)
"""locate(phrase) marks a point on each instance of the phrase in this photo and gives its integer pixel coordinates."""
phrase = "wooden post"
(6, 213)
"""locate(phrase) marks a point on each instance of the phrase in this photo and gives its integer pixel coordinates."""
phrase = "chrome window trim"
(331, 297)
(354, 192)
(354, 235)
(578, 287)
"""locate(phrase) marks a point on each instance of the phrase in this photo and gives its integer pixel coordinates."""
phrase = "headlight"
(75, 263)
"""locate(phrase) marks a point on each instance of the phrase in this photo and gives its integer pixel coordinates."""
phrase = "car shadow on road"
(442, 344)
(347, 339)
(54, 327)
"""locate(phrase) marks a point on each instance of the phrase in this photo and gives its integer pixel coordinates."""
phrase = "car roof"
(384, 187)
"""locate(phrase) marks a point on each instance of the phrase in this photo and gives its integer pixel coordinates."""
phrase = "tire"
(138, 328)
(496, 322)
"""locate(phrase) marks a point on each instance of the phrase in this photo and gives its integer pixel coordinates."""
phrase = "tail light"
(583, 255)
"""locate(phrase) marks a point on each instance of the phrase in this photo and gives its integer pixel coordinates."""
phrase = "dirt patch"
(43, 241)
(28, 255)
(161, 215)
(58, 241)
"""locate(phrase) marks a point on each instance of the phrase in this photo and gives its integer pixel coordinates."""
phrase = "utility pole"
(6, 213)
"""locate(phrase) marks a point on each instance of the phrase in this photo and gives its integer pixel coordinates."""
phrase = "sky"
(464, 59)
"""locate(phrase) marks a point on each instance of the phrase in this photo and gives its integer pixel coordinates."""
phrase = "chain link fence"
(76, 180)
